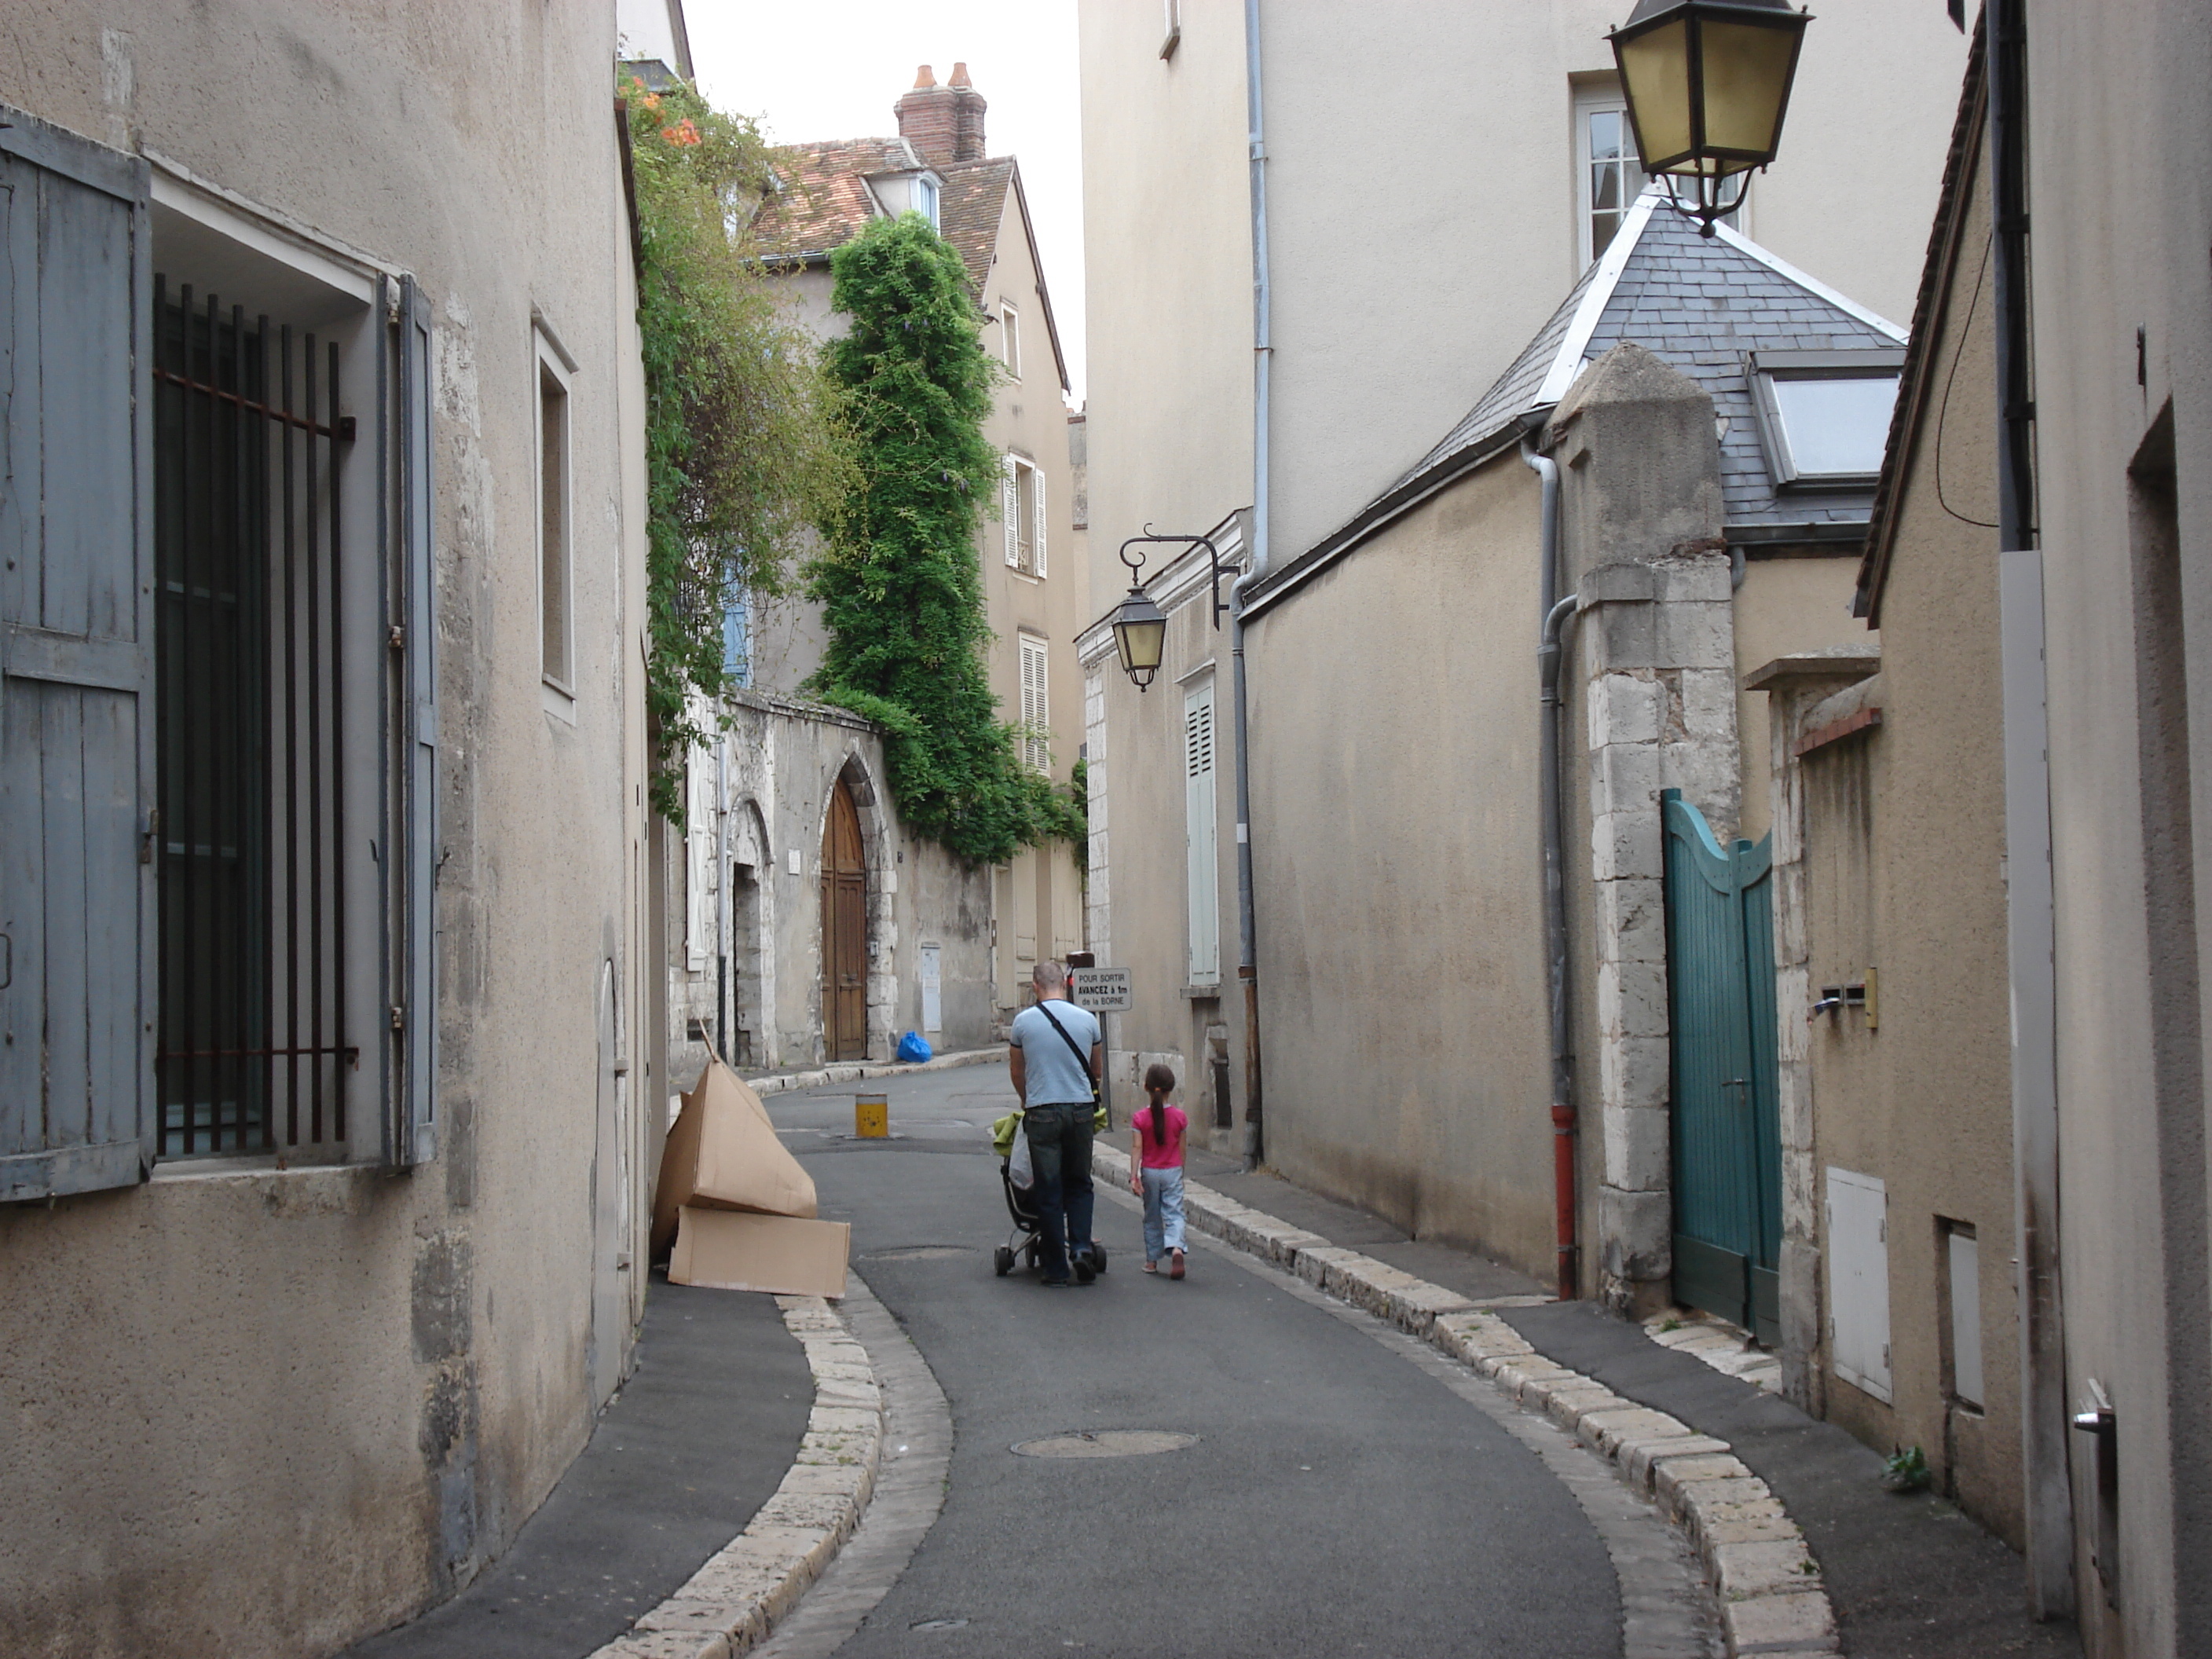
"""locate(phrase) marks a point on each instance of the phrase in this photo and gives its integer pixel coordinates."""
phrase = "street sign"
(1101, 990)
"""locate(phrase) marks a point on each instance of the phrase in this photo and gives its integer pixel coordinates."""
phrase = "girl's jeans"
(1163, 1213)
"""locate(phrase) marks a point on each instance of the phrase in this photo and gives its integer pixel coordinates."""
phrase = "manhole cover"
(1106, 1442)
(918, 1252)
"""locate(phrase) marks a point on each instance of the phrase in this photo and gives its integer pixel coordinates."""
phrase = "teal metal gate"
(1727, 1120)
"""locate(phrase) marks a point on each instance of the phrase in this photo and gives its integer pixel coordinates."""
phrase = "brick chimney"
(944, 124)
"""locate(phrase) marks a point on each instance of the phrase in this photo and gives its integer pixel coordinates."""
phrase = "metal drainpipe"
(2029, 896)
(1248, 972)
(1550, 653)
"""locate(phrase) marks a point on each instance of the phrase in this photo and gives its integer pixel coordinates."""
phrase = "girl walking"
(1156, 1170)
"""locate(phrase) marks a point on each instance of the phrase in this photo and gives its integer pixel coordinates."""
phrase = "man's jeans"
(1059, 1151)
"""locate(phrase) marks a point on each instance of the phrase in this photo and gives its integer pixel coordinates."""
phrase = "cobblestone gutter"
(1771, 1596)
(732, 1603)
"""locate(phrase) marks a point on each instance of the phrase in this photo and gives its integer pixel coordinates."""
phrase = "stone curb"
(732, 1603)
(1772, 1599)
(860, 1071)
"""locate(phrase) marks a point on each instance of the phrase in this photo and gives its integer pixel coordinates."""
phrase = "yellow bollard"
(871, 1117)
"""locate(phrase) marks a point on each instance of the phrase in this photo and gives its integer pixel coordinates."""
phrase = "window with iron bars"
(254, 1053)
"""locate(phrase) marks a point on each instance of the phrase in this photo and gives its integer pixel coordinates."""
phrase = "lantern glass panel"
(1746, 78)
(1141, 643)
(1655, 72)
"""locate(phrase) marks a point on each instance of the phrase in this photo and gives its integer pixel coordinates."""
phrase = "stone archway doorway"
(844, 930)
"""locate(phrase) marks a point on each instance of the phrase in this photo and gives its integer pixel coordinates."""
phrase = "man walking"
(1056, 1057)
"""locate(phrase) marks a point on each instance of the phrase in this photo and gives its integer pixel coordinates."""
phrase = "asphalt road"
(1339, 1498)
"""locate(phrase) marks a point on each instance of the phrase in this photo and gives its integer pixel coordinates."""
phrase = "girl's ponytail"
(1159, 1082)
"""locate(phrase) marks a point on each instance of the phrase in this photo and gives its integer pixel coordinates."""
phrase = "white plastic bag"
(1019, 1169)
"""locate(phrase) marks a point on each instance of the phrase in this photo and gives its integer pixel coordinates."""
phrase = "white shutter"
(1010, 508)
(1199, 840)
(1036, 527)
(1858, 1279)
(1036, 709)
(415, 931)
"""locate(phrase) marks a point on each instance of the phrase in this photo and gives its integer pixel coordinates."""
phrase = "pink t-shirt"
(1157, 1157)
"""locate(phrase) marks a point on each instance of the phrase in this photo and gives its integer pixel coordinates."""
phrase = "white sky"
(832, 69)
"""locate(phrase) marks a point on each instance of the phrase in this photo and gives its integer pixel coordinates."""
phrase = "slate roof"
(1701, 303)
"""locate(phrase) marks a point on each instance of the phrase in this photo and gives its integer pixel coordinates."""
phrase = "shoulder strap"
(1073, 1047)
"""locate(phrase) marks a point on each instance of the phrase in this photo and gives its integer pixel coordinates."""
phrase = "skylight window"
(1823, 416)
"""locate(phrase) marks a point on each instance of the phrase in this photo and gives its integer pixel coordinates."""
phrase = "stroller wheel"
(1002, 1261)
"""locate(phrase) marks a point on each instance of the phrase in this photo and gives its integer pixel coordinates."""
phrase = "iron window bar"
(251, 720)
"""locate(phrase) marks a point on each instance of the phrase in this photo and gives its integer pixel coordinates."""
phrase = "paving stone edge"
(1772, 1595)
(860, 1071)
(732, 1603)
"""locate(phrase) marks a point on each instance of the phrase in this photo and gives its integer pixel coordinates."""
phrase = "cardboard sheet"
(723, 1153)
(742, 1250)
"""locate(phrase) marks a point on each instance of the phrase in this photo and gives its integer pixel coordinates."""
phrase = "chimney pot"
(926, 77)
(960, 75)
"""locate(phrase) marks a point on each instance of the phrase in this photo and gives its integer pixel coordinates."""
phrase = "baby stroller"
(1026, 1240)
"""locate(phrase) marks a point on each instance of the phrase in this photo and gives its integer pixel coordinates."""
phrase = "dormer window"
(1823, 416)
(925, 199)
(907, 192)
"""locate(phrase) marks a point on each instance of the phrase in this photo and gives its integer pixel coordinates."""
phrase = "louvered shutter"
(1037, 712)
(1199, 840)
(1036, 525)
(78, 976)
(1010, 508)
(415, 1015)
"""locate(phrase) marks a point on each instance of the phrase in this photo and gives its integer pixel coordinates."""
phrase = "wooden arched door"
(844, 931)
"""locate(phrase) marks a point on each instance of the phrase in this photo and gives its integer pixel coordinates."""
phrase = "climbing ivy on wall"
(901, 590)
(746, 446)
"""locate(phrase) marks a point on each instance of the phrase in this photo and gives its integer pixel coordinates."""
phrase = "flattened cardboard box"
(723, 1153)
(742, 1250)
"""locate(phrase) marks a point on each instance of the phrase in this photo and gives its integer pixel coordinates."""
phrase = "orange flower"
(651, 98)
(683, 132)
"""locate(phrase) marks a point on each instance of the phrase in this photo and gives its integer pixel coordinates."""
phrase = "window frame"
(1011, 511)
(1010, 338)
(1601, 94)
(1760, 370)
(556, 371)
(934, 199)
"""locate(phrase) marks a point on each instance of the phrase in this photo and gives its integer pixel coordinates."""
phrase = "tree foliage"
(901, 590)
(746, 449)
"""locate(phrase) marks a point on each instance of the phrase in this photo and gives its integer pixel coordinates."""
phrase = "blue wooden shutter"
(78, 960)
(416, 1012)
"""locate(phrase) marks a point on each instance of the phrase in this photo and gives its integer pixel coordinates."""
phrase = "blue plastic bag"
(911, 1047)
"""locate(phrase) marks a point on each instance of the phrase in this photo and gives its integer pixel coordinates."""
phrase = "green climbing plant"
(901, 590)
(747, 449)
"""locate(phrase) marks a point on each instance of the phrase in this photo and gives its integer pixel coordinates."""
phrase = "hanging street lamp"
(1707, 83)
(1140, 635)
(1140, 627)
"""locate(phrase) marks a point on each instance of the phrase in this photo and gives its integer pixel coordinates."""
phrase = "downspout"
(2029, 890)
(1248, 972)
(1550, 656)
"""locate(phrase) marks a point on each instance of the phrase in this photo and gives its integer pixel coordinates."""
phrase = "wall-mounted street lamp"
(1707, 83)
(1140, 627)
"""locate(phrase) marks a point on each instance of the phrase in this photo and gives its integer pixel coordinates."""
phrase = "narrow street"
(1339, 1495)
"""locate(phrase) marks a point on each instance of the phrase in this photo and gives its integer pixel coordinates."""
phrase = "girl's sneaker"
(1175, 1264)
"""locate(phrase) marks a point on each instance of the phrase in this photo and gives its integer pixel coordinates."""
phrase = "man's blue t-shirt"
(1055, 1077)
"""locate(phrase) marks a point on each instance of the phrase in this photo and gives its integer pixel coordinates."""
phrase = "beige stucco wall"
(1904, 843)
(2122, 222)
(1402, 944)
(270, 1410)
(1785, 605)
